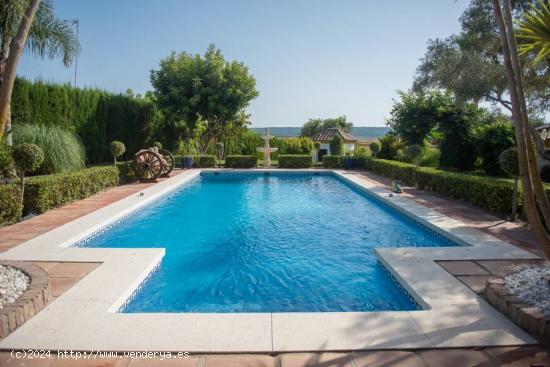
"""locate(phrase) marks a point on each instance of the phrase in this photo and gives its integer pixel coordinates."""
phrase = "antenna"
(75, 22)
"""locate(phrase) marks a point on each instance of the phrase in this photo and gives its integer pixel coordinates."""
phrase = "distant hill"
(361, 132)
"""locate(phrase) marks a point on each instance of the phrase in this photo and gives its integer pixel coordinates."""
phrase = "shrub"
(295, 161)
(509, 164)
(491, 141)
(336, 145)
(413, 153)
(241, 161)
(117, 149)
(43, 193)
(375, 148)
(126, 172)
(508, 161)
(301, 145)
(62, 149)
(7, 166)
(199, 161)
(27, 157)
(333, 161)
(157, 144)
(96, 116)
(389, 145)
(457, 146)
(393, 169)
(430, 157)
(490, 193)
(11, 205)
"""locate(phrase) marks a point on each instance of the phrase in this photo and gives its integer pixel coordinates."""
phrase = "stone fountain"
(266, 149)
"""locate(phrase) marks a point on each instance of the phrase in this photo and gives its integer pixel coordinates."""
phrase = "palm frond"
(52, 37)
(533, 31)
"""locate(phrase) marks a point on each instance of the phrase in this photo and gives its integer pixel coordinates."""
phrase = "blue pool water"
(251, 242)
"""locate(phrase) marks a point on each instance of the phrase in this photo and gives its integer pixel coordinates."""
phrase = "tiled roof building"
(327, 135)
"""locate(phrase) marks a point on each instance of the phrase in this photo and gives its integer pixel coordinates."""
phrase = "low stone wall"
(528, 317)
(32, 301)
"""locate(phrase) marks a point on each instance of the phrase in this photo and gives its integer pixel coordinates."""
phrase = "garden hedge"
(333, 161)
(491, 193)
(126, 172)
(295, 161)
(43, 193)
(241, 161)
(98, 117)
(199, 161)
(11, 206)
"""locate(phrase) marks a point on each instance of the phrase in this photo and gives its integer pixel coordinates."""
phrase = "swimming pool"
(277, 242)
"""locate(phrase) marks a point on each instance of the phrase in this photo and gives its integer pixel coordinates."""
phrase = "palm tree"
(535, 201)
(31, 26)
(534, 32)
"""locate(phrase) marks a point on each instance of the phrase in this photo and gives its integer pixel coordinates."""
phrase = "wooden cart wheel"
(169, 162)
(147, 165)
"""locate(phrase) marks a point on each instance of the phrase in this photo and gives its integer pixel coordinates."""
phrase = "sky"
(310, 58)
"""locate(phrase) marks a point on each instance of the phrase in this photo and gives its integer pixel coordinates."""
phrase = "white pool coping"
(85, 317)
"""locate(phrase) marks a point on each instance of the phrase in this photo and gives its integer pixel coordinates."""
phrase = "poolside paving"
(13, 235)
(471, 273)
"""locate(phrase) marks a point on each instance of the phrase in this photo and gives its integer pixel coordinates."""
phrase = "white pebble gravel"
(13, 282)
(531, 286)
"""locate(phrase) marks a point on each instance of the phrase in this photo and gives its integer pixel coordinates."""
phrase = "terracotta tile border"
(32, 301)
(528, 317)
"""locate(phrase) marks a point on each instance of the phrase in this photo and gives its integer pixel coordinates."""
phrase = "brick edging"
(528, 317)
(32, 301)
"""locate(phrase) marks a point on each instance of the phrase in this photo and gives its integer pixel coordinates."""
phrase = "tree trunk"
(4, 52)
(523, 140)
(9, 133)
(16, 48)
(515, 200)
(540, 194)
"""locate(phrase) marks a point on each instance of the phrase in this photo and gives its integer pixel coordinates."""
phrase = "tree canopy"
(203, 96)
(313, 126)
(414, 116)
(470, 63)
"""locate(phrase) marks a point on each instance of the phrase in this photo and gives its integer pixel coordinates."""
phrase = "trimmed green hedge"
(241, 161)
(199, 161)
(333, 161)
(98, 117)
(126, 172)
(11, 206)
(295, 161)
(491, 193)
(43, 193)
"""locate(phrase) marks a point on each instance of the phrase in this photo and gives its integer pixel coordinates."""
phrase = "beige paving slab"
(469, 325)
(463, 268)
(346, 331)
(474, 282)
